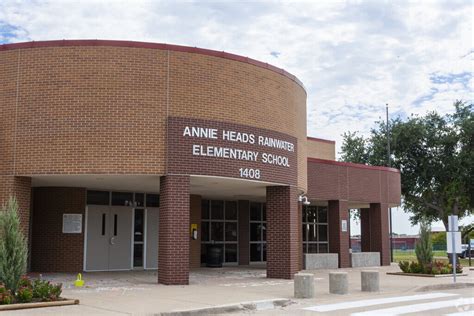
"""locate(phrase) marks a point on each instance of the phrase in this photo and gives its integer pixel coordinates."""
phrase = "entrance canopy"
(205, 186)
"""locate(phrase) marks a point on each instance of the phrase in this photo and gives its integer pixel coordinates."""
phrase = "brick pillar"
(244, 231)
(195, 244)
(365, 229)
(283, 230)
(19, 188)
(173, 238)
(339, 240)
(300, 235)
(379, 232)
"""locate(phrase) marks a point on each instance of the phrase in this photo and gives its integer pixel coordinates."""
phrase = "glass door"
(138, 237)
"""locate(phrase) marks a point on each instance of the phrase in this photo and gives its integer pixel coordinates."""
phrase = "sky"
(352, 56)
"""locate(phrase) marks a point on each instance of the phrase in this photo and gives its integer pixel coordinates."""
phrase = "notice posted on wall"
(72, 223)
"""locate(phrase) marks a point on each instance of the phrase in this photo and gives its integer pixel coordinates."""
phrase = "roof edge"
(150, 45)
(321, 140)
(351, 164)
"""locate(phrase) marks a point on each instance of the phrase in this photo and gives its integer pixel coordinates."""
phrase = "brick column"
(339, 240)
(283, 230)
(173, 238)
(379, 232)
(365, 229)
(244, 231)
(19, 188)
(195, 244)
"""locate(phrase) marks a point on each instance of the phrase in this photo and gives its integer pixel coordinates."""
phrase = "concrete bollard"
(304, 285)
(338, 283)
(369, 281)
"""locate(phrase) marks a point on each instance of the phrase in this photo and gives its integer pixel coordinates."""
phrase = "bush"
(6, 296)
(424, 248)
(24, 294)
(13, 247)
(436, 267)
(45, 291)
(404, 266)
(416, 267)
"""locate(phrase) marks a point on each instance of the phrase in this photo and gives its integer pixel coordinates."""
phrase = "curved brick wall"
(93, 107)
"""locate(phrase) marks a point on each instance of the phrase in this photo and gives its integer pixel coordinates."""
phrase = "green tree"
(423, 247)
(439, 240)
(435, 156)
(13, 246)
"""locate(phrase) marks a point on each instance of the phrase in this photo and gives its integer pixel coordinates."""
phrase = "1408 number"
(249, 173)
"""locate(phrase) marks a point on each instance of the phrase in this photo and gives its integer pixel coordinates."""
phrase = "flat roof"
(351, 164)
(321, 140)
(161, 46)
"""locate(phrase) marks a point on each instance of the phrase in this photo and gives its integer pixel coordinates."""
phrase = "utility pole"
(388, 165)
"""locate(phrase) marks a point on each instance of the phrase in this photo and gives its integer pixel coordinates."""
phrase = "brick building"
(127, 155)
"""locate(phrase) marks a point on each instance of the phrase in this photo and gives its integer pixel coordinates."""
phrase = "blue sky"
(352, 56)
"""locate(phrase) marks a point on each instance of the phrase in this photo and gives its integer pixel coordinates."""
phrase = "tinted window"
(98, 197)
(152, 200)
(122, 198)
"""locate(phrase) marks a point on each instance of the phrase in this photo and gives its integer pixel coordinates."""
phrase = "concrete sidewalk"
(137, 293)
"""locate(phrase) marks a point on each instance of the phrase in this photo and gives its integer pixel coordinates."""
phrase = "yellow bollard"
(79, 281)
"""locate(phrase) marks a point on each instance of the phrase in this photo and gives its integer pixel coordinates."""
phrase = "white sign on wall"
(72, 223)
(344, 225)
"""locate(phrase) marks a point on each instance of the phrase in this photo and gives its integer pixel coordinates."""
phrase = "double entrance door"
(121, 238)
(109, 231)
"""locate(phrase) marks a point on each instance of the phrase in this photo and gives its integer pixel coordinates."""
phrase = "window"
(122, 198)
(219, 226)
(315, 229)
(258, 232)
(152, 200)
(98, 197)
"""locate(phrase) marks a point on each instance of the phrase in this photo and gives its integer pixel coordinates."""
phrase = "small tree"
(424, 248)
(13, 246)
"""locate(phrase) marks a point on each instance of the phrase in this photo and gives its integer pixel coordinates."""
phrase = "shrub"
(24, 294)
(6, 296)
(416, 267)
(404, 266)
(13, 247)
(424, 248)
(45, 291)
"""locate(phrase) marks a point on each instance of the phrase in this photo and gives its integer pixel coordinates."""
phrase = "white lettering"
(224, 152)
(238, 137)
(200, 132)
(275, 143)
(275, 160)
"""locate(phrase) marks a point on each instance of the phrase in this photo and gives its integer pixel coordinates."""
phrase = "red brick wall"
(76, 97)
(53, 251)
(173, 238)
(365, 236)
(19, 188)
(283, 232)
(195, 244)
(331, 180)
(379, 231)
(339, 240)
(244, 231)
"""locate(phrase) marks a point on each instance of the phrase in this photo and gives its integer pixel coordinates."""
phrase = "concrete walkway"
(137, 293)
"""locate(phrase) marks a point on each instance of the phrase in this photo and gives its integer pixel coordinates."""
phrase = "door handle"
(112, 240)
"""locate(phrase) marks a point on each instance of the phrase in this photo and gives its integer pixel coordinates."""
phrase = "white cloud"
(352, 56)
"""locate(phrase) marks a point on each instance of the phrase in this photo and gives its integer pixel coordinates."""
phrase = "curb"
(442, 287)
(232, 308)
(20, 306)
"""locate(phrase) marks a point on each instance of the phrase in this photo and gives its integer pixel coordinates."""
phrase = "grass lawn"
(409, 255)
